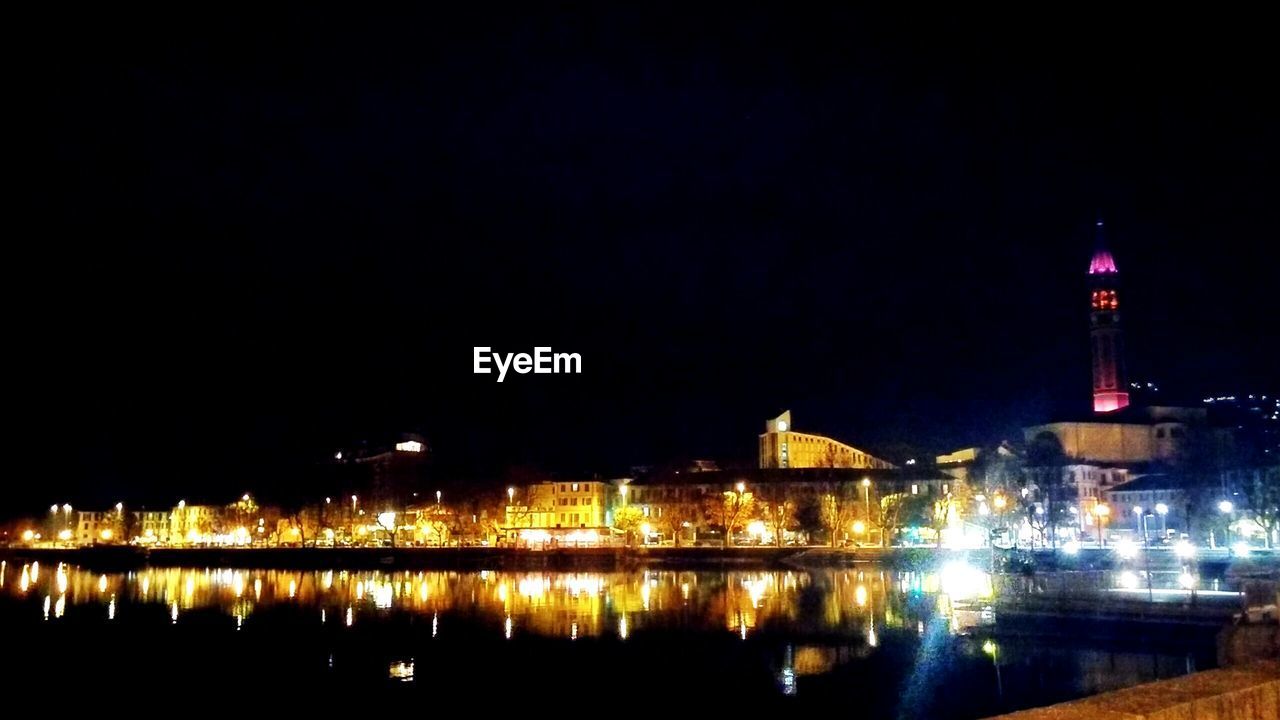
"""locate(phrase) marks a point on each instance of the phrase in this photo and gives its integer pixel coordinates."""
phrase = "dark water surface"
(871, 643)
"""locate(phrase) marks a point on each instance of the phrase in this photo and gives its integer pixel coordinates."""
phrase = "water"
(878, 642)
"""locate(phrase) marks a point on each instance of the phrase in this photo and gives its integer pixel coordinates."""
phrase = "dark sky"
(250, 238)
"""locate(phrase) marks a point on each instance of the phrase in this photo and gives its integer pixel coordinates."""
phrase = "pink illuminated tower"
(1110, 389)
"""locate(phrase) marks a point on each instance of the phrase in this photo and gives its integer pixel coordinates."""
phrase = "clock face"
(782, 426)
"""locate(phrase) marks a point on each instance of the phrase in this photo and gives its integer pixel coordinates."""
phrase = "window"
(575, 487)
(915, 489)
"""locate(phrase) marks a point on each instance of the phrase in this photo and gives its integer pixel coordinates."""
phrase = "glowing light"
(102, 583)
(28, 535)
(507, 627)
(622, 627)
(999, 502)
(1127, 580)
(402, 671)
(1102, 263)
(741, 486)
(962, 581)
(1225, 506)
(859, 527)
(106, 534)
(535, 535)
(1240, 549)
(1162, 509)
(1187, 580)
(412, 446)
(387, 519)
(1127, 549)
(860, 596)
(351, 618)
(64, 535)
(1071, 548)
(1185, 550)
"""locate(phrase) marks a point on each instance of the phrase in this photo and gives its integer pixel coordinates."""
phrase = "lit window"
(915, 489)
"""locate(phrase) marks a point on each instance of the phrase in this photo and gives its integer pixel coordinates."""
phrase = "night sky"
(242, 241)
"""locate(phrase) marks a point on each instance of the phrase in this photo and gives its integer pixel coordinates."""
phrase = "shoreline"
(120, 557)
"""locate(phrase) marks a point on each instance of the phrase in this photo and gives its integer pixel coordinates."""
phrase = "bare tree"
(729, 510)
(838, 509)
(674, 516)
(1262, 492)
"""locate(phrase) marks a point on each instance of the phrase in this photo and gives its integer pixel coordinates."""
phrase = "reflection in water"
(815, 622)
(572, 605)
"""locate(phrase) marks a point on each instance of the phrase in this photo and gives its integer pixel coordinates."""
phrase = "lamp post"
(1225, 507)
(1101, 512)
(437, 500)
(1141, 522)
(1162, 510)
(866, 495)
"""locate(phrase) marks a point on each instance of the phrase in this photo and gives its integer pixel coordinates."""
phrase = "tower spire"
(1110, 389)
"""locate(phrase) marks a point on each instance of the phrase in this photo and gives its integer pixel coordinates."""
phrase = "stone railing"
(1249, 692)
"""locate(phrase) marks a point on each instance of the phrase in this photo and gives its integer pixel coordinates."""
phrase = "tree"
(627, 519)
(1049, 479)
(673, 517)
(889, 511)
(1262, 492)
(778, 508)
(306, 521)
(730, 510)
(838, 510)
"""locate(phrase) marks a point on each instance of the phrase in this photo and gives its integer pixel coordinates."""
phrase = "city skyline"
(248, 265)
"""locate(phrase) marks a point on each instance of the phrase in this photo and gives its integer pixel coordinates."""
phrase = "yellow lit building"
(1132, 435)
(193, 524)
(783, 447)
(551, 509)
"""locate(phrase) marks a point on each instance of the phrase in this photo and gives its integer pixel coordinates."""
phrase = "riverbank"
(120, 557)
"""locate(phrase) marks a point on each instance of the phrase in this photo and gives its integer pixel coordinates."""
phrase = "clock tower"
(1110, 387)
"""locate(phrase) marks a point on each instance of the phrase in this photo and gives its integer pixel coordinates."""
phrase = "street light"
(511, 495)
(1101, 512)
(866, 495)
(741, 487)
(1140, 522)
(1162, 510)
(437, 498)
(1225, 507)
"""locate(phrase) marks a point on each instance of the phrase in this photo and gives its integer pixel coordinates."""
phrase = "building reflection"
(858, 603)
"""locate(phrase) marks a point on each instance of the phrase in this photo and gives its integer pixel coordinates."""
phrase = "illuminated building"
(783, 447)
(193, 524)
(560, 510)
(152, 525)
(387, 474)
(1110, 389)
(89, 526)
(1132, 435)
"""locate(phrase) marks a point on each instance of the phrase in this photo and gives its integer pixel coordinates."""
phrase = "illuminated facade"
(1137, 435)
(560, 510)
(193, 524)
(783, 447)
(1110, 389)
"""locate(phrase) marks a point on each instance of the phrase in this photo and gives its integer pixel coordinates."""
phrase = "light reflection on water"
(571, 605)
(810, 624)
(551, 604)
